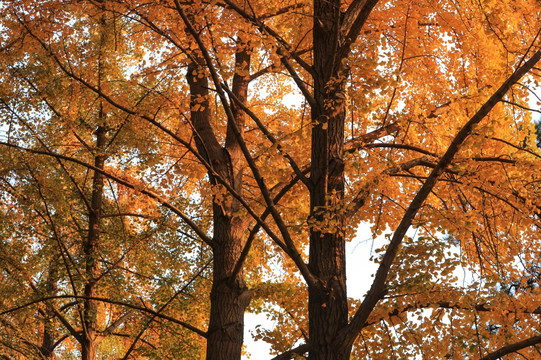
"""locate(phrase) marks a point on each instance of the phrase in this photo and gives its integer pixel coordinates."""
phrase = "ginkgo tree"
(405, 115)
(81, 232)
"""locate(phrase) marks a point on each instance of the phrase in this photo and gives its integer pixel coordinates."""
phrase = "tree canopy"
(170, 166)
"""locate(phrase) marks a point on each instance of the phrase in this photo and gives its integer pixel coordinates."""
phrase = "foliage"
(168, 166)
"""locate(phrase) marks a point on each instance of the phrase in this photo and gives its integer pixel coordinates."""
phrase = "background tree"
(86, 238)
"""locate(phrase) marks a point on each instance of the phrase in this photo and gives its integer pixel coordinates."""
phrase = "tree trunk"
(48, 340)
(229, 295)
(89, 341)
(90, 337)
(328, 310)
(89, 348)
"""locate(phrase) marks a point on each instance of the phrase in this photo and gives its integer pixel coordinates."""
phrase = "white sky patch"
(360, 275)
(256, 349)
(360, 269)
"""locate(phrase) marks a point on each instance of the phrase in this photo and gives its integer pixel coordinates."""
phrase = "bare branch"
(109, 301)
(126, 183)
(300, 83)
(116, 324)
(359, 142)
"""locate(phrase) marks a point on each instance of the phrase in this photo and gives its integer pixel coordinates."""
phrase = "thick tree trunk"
(47, 344)
(328, 311)
(229, 295)
(89, 349)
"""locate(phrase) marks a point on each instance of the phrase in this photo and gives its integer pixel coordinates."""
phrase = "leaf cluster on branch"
(168, 167)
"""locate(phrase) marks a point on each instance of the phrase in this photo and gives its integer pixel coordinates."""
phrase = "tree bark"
(89, 348)
(48, 340)
(90, 339)
(229, 296)
(328, 312)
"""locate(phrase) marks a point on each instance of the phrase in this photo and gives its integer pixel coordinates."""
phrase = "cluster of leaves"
(102, 99)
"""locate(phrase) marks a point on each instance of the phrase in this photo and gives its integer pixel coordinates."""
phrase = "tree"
(81, 234)
(408, 114)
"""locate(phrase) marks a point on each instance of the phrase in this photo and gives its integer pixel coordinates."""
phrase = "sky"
(360, 271)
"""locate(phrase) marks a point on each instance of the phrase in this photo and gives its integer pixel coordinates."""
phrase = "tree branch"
(162, 308)
(271, 137)
(377, 289)
(360, 141)
(511, 348)
(299, 350)
(113, 302)
(126, 183)
(290, 248)
(353, 21)
(266, 29)
(285, 189)
(359, 200)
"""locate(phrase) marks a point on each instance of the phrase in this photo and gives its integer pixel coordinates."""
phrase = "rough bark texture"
(90, 348)
(328, 312)
(229, 297)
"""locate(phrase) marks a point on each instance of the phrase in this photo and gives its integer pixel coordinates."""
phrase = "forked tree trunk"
(229, 295)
